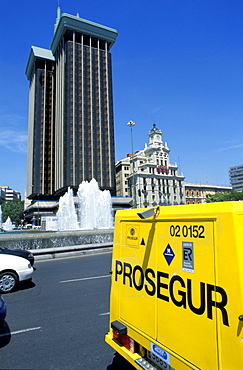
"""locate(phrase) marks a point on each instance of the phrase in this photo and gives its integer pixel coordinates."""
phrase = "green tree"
(224, 197)
(13, 209)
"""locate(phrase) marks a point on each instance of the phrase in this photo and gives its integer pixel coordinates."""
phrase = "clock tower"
(155, 136)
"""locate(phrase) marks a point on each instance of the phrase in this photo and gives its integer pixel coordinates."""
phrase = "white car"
(13, 269)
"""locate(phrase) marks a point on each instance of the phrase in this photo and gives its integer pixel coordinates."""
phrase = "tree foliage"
(13, 209)
(224, 197)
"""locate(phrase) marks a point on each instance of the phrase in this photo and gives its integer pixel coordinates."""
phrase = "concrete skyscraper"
(71, 125)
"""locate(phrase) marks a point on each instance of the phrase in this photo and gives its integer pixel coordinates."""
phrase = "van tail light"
(120, 335)
(126, 341)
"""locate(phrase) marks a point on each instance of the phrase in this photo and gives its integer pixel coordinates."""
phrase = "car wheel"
(8, 281)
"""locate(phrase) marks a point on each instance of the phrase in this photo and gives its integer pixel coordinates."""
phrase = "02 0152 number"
(187, 231)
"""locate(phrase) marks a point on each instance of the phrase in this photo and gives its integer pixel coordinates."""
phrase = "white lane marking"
(20, 331)
(82, 279)
(104, 314)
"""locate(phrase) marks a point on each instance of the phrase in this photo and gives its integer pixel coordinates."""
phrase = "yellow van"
(177, 284)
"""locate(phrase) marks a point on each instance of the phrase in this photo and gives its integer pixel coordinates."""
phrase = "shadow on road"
(5, 334)
(119, 363)
(23, 285)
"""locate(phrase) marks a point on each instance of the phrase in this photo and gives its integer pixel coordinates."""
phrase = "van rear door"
(186, 318)
(138, 254)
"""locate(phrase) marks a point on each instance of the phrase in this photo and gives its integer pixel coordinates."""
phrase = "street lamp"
(131, 124)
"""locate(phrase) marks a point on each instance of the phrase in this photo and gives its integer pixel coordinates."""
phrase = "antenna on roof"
(179, 165)
(58, 17)
(77, 12)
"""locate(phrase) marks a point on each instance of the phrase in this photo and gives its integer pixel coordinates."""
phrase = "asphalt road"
(59, 321)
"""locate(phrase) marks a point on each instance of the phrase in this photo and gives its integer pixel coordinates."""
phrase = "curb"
(70, 251)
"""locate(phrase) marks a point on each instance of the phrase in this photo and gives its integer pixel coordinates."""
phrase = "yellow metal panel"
(137, 306)
(229, 270)
(177, 282)
(182, 322)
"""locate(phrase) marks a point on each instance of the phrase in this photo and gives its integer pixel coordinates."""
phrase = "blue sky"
(177, 63)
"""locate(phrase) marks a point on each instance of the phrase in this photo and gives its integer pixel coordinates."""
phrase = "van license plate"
(159, 362)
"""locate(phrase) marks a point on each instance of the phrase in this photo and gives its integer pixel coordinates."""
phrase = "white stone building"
(122, 175)
(149, 177)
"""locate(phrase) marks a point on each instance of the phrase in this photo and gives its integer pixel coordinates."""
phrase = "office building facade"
(236, 177)
(71, 123)
(7, 194)
(41, 135)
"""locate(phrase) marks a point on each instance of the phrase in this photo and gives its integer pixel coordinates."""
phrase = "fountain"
(66, 215)
(93, 213)
(8, 226)
(94, 210)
